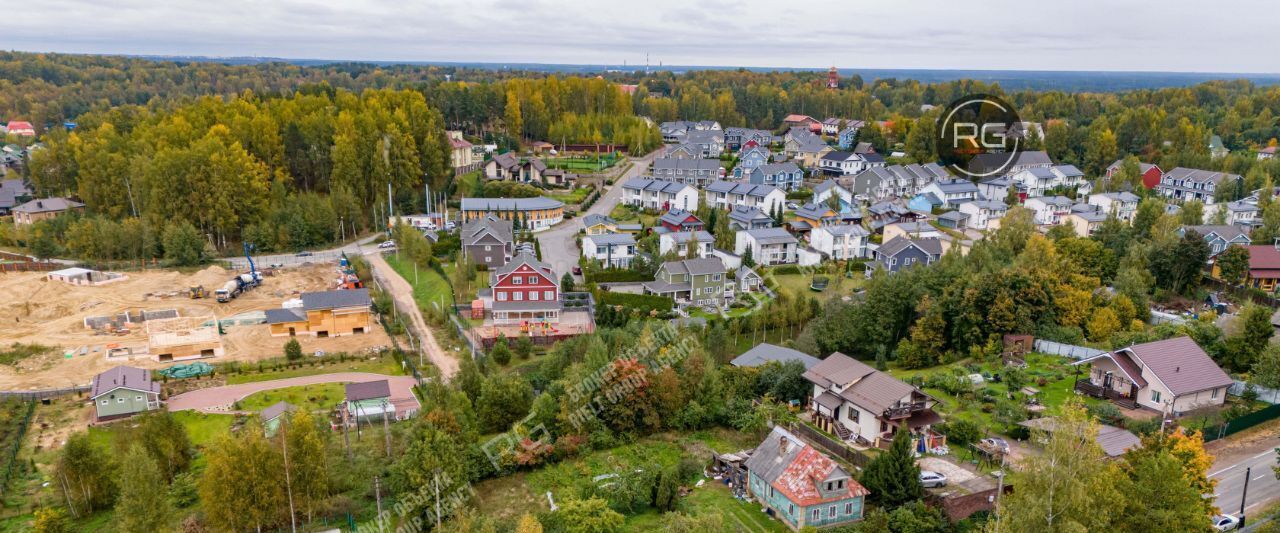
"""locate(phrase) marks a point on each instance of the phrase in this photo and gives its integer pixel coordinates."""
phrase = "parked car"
(387, 245)
(577, 270)
(1225, 522)
(932, 479)
(996, 443)
(450, 225)
(304, 253)
(792, 206)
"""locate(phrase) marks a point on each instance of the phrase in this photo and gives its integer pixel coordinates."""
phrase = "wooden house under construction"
(324, 314)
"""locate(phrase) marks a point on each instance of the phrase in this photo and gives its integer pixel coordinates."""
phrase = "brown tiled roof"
(872, 389)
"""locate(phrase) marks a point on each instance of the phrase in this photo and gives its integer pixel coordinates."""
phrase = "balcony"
(904, 411)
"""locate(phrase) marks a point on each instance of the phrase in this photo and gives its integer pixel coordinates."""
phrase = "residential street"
(219, 399)
(557, 243)
(1263, 485)
(402, 293)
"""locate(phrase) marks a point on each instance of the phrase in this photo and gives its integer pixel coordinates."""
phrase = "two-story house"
(1122, 204)
(736, 138)
(1150, 173)
(696, 172)
(896, 181)
(1049, 210)
(786, 176)
(823, 192)
(524, 290)
(1193, 184)
(840, 242)
(838, 164)
(997, 188)
(727, 194)
(859, 403)
(983, 212)
(488, 241)
(742, 217)
(749, 160)
(659, 194)
(1243, 213)
(679, 242)
(1172, 376)
(950, 192)
(768, 246)
(987, 165)
(611, 250)
(813, 215)
(680, 220)
(708, 143)
(502, 167)
(849, 135)
(42, 209)
(800, 485)
(700, 281)
(1264, 267)
(1219, 237)
(901, 253)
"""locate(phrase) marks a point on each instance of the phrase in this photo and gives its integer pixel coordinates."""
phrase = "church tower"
(833, 78)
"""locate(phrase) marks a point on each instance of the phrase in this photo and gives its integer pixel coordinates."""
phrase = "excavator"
(198, 292)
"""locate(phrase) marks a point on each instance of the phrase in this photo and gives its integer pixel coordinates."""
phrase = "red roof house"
(1264, 266)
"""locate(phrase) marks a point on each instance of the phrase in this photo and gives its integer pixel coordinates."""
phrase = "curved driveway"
(220, 399)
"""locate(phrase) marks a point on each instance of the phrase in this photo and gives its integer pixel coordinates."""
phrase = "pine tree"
(893, 477)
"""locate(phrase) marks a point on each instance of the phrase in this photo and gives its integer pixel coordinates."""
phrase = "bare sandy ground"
(36, 310)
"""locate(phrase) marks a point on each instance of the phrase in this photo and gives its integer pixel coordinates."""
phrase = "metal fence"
(1065, 350)
(1230, 427)
(43, 393)
(263, 261)
(1271, 396)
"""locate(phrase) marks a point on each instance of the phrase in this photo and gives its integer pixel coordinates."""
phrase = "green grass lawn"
(314, 397)
(798, 284)
(428, 285)
(466, 184)
(571, 196)
(375, 365)
(590, 163)
(201, 428)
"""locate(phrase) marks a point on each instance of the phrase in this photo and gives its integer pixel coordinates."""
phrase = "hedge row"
(619, 275)
(643, 302)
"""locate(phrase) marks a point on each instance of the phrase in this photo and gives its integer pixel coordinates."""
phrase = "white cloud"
(1176, 35)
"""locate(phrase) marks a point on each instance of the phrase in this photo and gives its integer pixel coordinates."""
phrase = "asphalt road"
(318, 256)
(557, 243)
(1263, 485)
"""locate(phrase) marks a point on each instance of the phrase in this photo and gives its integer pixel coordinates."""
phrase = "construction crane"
(253, 269)
(198, 292)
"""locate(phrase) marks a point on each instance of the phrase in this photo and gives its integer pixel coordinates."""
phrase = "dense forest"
(282, 154)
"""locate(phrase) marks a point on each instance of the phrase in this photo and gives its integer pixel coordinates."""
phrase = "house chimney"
(1177, 369)
(783, 444)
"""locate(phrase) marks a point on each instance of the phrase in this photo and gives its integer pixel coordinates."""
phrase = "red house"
(680, 220)
(524, 290)
(1150, 173)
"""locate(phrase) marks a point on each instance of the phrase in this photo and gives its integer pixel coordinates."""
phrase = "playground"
(570, 324)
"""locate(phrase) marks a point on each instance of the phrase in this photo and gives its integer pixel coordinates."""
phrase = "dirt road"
(219, 399)
(402, 293)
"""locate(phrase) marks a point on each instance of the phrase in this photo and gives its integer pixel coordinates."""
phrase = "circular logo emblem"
(979, 136)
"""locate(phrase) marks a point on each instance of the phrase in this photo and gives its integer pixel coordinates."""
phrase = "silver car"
(932, 479)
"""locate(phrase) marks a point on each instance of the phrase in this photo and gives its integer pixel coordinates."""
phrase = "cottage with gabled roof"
(524, 290)
(659, 194)
(765, 353)
(983, 212)
(859, 403)
(679, 242)
(488, 241)
(726, 194)
(1150, 173)
(611, 250)
(840, 241)
(43, 208)
(768, 246)
(838, 164)
(700, 282)
(680, 220)
(1170, 376)
(123, 391)
(750, 159)
(800, 485)
(1219, 237)
(901, 252)
(742, 217)
(1123, 204)
(823, 192)
(786, 176)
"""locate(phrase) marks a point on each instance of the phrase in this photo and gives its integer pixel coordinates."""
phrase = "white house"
(1243, 212)
(768, 246)
(848, 163)
(661, 195)
(678, 242)
(1171, 376)
(1049, 210)
(982, 212)
(611, 250)
(859, 403)
(726, 194)
(951, 192)
(840, 242)
(1123, 204)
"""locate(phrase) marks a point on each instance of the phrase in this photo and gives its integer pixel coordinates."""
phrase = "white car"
(792, 206)
(1225, 522)
(387, 244)
(932, 479)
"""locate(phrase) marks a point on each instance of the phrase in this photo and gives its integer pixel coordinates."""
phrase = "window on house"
(771, 492)
(517, 280)
(488, 248)
(848, 508)
(831, 512)
(533, 280)
(139, 398)
(502, 297)
(548, 295)
(1155, 396)
(517, 296)
(816, 514)
(533, 296)
(105, 402)
(120, 400)
(1213, 394)
(840, 484)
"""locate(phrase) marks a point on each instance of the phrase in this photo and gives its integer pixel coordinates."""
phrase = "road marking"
(1261, 455)
(1259, 477)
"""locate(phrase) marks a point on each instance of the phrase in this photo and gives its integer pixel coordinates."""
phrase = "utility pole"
(346, 437)
(1000, 488)
(386, 431)
(288, 483)
(1244, 494)
(435, 480)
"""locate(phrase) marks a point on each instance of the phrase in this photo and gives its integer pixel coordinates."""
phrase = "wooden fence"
(30, 267)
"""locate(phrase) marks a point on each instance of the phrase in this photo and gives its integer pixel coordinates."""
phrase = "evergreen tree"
(293, 350)
(893, 476)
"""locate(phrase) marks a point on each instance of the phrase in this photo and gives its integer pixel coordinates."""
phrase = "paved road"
(402, 293)
(219, 399)
(1263, 485)
(557, 243)
(355, 248)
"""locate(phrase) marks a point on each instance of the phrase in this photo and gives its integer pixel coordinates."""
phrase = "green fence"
(1237, 425)
(11, 460)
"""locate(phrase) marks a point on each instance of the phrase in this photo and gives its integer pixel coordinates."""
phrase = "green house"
(692, 281)
(370, 400)
(273, 416)
(123, 391)
(800, 485)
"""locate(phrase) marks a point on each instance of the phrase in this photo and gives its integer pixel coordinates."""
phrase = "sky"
(1120, 35)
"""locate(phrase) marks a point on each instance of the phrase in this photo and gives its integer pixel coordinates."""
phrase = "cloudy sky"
(1173, 35)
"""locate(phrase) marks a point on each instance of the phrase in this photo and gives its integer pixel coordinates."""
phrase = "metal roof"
(312, 301)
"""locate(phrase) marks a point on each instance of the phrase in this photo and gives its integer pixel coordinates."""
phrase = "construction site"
(152, 318)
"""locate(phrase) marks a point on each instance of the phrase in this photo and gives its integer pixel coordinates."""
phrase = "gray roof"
(275, 410)
(983, 163)
(523, 258)
(1199, 176)
(841, 156)
(931, 246)
(813, 211)
(670, 163)
(335, 299)
(651, 185)
(771, 236)
(123, 376)
(989, 204)
(507, 204)
(1053, 200)
(956, 186)
(487, 225)
(746, 214)
(1113, 440)
(745, 189)
(676, 216)
(826, 185)
(616, 239)
(658, 286)
(1124, 196)
(776, 168)
(369, 390)
(1142, 167)
(744, 271)
(594, 219)
(695, 267)
(953, 215)
(845, 229)
(1242, 206)
(1068, 170)
(1092, 216)
(768, 461)
(46, 205)
(765, 352)
(285, 315)
(507, 160)
(1226, 232)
